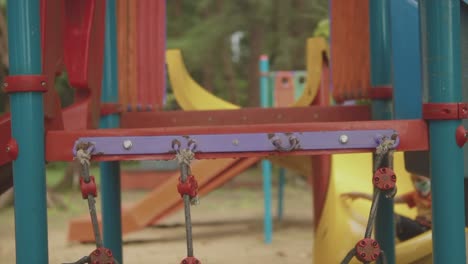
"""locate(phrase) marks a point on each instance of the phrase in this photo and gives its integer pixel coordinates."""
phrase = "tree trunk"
(53, 200)
(229, 74)
(70, 178)
(299, 32)
(255, 44)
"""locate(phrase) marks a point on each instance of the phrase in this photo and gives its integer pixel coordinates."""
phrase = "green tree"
(203, 31)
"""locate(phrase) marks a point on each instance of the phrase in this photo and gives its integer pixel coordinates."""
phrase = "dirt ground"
(228, 229)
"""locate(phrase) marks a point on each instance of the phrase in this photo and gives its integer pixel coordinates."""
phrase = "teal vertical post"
(27, 121)
(110, 171)
(440, 34)
(406, 59)
(381, 72)
(281, 185)
(266, 164)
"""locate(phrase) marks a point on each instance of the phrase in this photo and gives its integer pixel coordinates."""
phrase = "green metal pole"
(381, 74)
(110, 171)
(27, 121)
(440, 31)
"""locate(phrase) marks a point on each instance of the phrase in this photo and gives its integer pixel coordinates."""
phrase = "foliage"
(203, 30)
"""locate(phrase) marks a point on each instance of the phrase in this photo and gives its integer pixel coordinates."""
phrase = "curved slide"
(210, 173)
(343, 222)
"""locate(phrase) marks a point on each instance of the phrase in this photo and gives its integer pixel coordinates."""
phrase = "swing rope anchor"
(188, 189)
(384, 179)
(100, 255)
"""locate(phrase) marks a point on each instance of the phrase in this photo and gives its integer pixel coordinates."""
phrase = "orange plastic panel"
(350, 50)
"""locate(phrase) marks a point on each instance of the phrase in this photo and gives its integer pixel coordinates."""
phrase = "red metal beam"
(245, 116)
(413, 136)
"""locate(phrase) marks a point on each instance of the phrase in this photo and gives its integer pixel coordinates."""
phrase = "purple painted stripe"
(224, 143)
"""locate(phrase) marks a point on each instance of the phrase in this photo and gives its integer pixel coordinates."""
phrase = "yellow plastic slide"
(342, 223)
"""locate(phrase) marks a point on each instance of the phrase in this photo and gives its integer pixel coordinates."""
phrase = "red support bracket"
(25, 83)
(110, 108)
(381, 93)
(445, 111)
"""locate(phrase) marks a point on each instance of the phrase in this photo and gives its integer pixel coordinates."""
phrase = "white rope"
(386, 145)
(185, 156)
(83, 157)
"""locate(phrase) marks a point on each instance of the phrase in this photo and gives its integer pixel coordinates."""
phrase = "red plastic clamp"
(110, 108)
(367, 250)
(384, 179)
(12, 149)
(102, 256)
(25, 83)
(445, 111)
(189, 187)
(190, 260)
(381, 93)
(88, 188)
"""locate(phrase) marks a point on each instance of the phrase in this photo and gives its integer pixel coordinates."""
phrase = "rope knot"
(83, 153)
(185, 156)
(385, 146)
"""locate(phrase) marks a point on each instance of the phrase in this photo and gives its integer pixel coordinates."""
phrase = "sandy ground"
(228, 228)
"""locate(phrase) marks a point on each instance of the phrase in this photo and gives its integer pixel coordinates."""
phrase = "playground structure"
(221, 134)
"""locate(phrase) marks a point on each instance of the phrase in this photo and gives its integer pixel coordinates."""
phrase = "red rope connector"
(189, 187)
(367, 250)
(190, 260)
(101, 256)
(384, 179)
(88, 188)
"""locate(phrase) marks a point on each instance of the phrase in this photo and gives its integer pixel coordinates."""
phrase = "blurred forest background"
(221, 42)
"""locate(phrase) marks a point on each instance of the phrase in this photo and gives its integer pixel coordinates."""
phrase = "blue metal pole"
(381, 72)
(440, 32)
(281, 185)
(266, 164)
(110, 171)
(27, 120)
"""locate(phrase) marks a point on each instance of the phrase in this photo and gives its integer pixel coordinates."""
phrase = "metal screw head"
(127, 144)
(235, 142)
(8, 149)
(5, 85)
(43, 84)
(344, 139)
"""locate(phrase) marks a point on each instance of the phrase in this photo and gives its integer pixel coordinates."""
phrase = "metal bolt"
(5, 84)
(344, 139)
(127, 144)
(8, 149)
(235, 142)
(43, 83)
